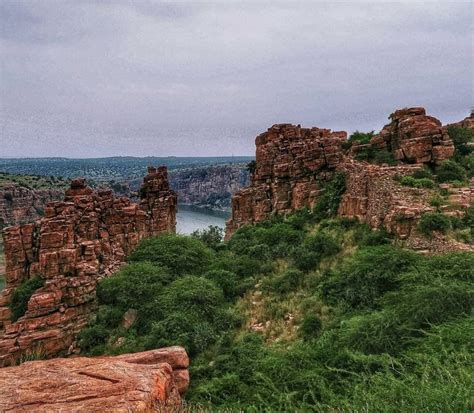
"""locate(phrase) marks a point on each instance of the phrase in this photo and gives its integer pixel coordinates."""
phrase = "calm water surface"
(190, 218)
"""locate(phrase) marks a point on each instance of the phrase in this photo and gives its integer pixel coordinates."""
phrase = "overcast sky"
(102, 78)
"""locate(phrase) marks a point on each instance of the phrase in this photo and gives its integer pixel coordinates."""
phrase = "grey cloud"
(98, 78)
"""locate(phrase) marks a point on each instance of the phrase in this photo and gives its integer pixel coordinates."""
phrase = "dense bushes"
(184, 255)
(212, 236)
(21, 296)
(450, 171)
(417, 182)
(415, 336)
(367, 276)
(434, 221)
(357, 320)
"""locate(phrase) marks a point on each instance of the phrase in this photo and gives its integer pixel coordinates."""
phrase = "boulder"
(143, 382)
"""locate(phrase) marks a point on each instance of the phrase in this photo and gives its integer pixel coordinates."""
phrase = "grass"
(362, 326)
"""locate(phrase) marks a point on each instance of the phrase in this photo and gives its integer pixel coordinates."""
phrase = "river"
(190, 218)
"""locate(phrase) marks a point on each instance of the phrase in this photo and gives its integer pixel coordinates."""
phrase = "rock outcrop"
(467, 123)
(293, 163)
(290, 160)
(80, 240)
(412, 137)
(151, 381)
(20, 205)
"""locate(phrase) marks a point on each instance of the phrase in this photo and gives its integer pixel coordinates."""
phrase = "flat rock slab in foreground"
(143, 382)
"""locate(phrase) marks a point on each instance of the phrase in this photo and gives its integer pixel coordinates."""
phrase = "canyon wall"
(151, 381)
(293, 164)
(20, 205)
(210, 186)
(80, 240)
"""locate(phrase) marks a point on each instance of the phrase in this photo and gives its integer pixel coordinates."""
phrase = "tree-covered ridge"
(301, 313)
(104, 169)
(32, 181)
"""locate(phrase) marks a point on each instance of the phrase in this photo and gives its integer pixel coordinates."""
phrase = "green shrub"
(288, 281)
(417, 182)
(383, 156)
(461, 137)
(468, 219)
(434, 221)
(450, 171)
(328, 203)
(184, 255)
(195, 295)
(367, 276)
(21, 295)
(227, 281)
(436, 201)
(263, 242)
(314, 249)
(211, 236)
(310, 327)
(365, 236)
(93, 338)
(423, 173)
(361, 137)
(135, 286)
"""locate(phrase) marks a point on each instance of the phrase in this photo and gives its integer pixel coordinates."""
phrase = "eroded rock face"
(210, 186)
(375, 197)
(412, 137)
(289, 158)
(291, 163)
(142, 382)
(80, 240)
(19, 205)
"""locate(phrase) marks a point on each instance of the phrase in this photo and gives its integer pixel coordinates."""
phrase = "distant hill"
(105, 169)
(32, 181)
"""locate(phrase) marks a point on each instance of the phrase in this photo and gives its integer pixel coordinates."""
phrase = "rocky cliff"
(146, 382)
(20, 205)
(210, 186)
(293, 164)
(80, 240)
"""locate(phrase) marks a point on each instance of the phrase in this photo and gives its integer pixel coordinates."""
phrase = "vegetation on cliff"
(32, 181)
(299, 313)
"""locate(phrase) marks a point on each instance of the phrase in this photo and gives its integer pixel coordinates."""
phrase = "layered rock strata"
(293, 163)
(290, 160)
(210, 186)
(80, 240)
(147, 382)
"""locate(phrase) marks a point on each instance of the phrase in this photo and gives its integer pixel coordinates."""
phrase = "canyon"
(211, 186)
(293, 164)
(78, 241)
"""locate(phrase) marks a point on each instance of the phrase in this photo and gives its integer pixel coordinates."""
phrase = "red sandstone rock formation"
(413, 137)
(143, 382)
(467, 123)
(80, 240)
(292, 161)
(19, 205)
(288, 161)
(374, 196)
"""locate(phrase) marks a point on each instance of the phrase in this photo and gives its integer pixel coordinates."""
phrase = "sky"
(184, 78)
